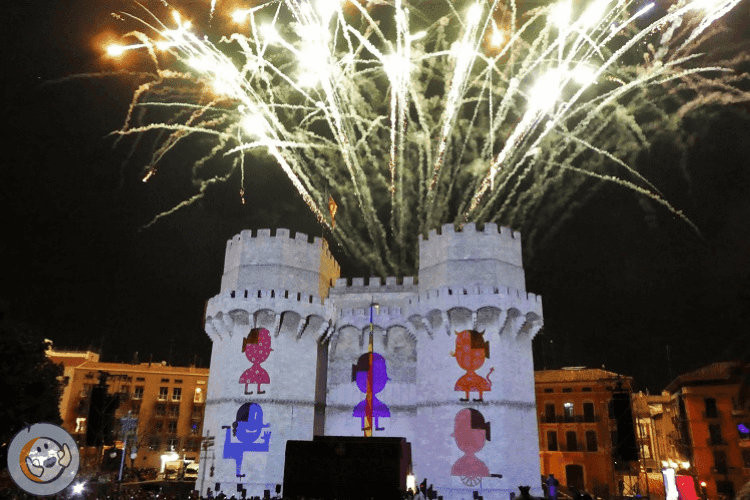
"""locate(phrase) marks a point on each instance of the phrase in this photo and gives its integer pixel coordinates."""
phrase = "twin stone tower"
(452, 368)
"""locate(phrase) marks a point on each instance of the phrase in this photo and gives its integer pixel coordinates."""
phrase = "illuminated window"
(154, 443)
(552, 440)
(176, 393)
(80, 426)
(138, 392)
(591, 444)
(568, 411)
(163, 392)
(198, 398)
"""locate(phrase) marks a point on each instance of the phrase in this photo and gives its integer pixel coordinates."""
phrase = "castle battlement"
(302, 378)
(492, 243)
(468, 256)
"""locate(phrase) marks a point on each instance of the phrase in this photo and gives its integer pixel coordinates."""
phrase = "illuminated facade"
(167, 401)
(713, 429)
(451, 369)
(576, 427)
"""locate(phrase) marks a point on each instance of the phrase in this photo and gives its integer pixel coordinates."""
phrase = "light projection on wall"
(471, 431)
(257, 348)
(247, 430)
(376, 374)
(471, 351)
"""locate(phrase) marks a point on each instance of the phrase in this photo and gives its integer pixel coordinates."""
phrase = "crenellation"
(469, 279)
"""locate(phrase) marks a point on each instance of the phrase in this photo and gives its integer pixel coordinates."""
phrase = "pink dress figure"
(257, 348)
(470, 432)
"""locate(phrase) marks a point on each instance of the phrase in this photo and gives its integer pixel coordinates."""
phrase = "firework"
(415, 114)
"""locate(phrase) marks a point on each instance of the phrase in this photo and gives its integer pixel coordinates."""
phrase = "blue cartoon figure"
(378, 377)
(247, 429)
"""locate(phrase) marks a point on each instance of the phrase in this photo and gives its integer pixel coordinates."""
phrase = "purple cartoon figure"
(257, 348)
(379, 376)
(246, 429)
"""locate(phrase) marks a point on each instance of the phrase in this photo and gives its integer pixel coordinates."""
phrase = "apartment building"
(577, 427)
(165, 402)
(713, 427)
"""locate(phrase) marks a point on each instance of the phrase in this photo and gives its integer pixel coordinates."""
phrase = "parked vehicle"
(191, 472)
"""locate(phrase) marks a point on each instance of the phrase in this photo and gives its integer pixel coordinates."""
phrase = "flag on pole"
(332, 209)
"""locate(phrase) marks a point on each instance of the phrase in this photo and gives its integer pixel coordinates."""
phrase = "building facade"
(450, 368)
(168, 403)
(577, 428)
(713, 427)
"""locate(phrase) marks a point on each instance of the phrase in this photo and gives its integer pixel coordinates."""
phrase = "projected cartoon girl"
(247, 429)
(257, 348)
(470, 432)
(471, 351)
(379, 379)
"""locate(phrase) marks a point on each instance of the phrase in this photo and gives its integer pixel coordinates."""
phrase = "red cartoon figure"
(471, 351)
(470, 432)
(257, 348)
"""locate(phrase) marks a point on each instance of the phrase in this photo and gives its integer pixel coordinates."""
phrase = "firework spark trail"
(327, 71)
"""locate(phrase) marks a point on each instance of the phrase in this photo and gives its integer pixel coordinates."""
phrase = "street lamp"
(128, 424)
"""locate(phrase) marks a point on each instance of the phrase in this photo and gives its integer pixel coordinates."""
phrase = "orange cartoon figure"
(470, 432)
(257, 348)
(471, 351)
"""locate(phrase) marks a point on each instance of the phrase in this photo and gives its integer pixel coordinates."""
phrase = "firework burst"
(413, 115)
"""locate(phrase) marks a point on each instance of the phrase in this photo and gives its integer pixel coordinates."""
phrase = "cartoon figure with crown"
(471, 432)
(379, 376)
(471, 351)
(257, 348)
(247, 429)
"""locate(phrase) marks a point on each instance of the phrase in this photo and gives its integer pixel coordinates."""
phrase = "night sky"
(625, 285)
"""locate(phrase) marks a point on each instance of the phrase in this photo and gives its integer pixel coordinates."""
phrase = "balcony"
(568, 419)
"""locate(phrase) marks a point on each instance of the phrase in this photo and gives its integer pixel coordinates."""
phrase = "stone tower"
(265, 325)
(452, 362)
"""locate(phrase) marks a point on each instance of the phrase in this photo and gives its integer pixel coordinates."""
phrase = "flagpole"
(368, 403)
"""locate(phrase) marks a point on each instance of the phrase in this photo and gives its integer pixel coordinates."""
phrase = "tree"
(29, 381)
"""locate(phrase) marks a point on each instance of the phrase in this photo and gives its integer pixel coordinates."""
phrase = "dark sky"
(623, 287)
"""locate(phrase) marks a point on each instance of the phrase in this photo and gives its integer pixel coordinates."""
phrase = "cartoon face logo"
(43, 459)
